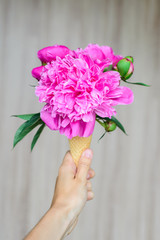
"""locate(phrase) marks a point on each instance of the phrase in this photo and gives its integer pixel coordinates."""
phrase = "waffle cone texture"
(78, 145)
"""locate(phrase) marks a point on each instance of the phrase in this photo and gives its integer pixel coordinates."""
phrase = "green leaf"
(26, 116)
(37, 135)
(17, 134)
(33, 119)
(23, 131)
(102, 136)
(115, 120)
(26, 127)
(138, 83)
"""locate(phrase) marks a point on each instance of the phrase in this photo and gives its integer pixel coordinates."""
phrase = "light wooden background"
(127, 182)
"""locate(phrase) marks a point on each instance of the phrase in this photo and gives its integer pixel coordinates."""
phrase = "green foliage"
(26, 116)
(32, 121)
(103, 121)
(37, 135)
(119, 125)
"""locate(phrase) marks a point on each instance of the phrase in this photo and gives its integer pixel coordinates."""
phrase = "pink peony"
(75, 89)
(103, 56)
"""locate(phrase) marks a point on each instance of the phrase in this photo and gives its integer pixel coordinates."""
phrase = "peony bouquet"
(78, 88)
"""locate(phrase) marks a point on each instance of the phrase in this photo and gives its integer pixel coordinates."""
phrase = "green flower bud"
(125, 67)
(110, 126)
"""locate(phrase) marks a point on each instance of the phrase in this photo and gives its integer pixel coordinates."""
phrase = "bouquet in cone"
(78, 87)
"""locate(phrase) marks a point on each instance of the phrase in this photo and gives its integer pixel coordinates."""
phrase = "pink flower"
(49, 54)
(75, 89)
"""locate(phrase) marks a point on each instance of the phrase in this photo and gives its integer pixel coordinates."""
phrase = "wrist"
(66, 216)
(63, 212)
(63, 216)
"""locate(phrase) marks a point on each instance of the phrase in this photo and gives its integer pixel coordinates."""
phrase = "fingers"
(68, 167)
(84, 165)
(90, 194)
(91, 174)
(89, 186)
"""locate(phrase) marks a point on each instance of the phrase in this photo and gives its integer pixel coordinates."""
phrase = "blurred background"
(127, 183)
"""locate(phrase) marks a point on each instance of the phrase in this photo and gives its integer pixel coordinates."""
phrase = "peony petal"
(65, 122)
(105, 110)
(109, 54)
(76, 128)
(88, 128)
(107, 51)
(103, 63)
(94, 51)
(88, 117)
(126, 97)
(52, 123)
(66, 131)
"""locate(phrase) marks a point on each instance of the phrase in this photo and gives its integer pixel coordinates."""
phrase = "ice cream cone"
(78, 145)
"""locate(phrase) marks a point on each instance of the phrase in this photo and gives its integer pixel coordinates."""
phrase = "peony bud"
(50, 53)
(110, 126)
(125, 67)
(36, 72)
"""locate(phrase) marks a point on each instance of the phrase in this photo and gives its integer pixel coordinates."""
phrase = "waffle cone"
(78, 145)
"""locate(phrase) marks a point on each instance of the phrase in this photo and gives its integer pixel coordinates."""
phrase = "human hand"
(73, 187)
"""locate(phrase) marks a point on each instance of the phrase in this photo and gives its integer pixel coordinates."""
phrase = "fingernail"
(87, 153)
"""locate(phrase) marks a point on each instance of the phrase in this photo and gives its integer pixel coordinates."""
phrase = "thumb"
(84, 165)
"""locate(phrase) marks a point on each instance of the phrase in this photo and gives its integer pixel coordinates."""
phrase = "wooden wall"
(127, 183)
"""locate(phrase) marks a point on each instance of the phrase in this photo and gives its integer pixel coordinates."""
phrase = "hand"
(73, 187)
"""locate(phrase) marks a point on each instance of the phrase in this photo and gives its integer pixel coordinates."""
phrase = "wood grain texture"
(126, 186)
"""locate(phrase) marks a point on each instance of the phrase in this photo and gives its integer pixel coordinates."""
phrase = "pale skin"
(72, 190)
